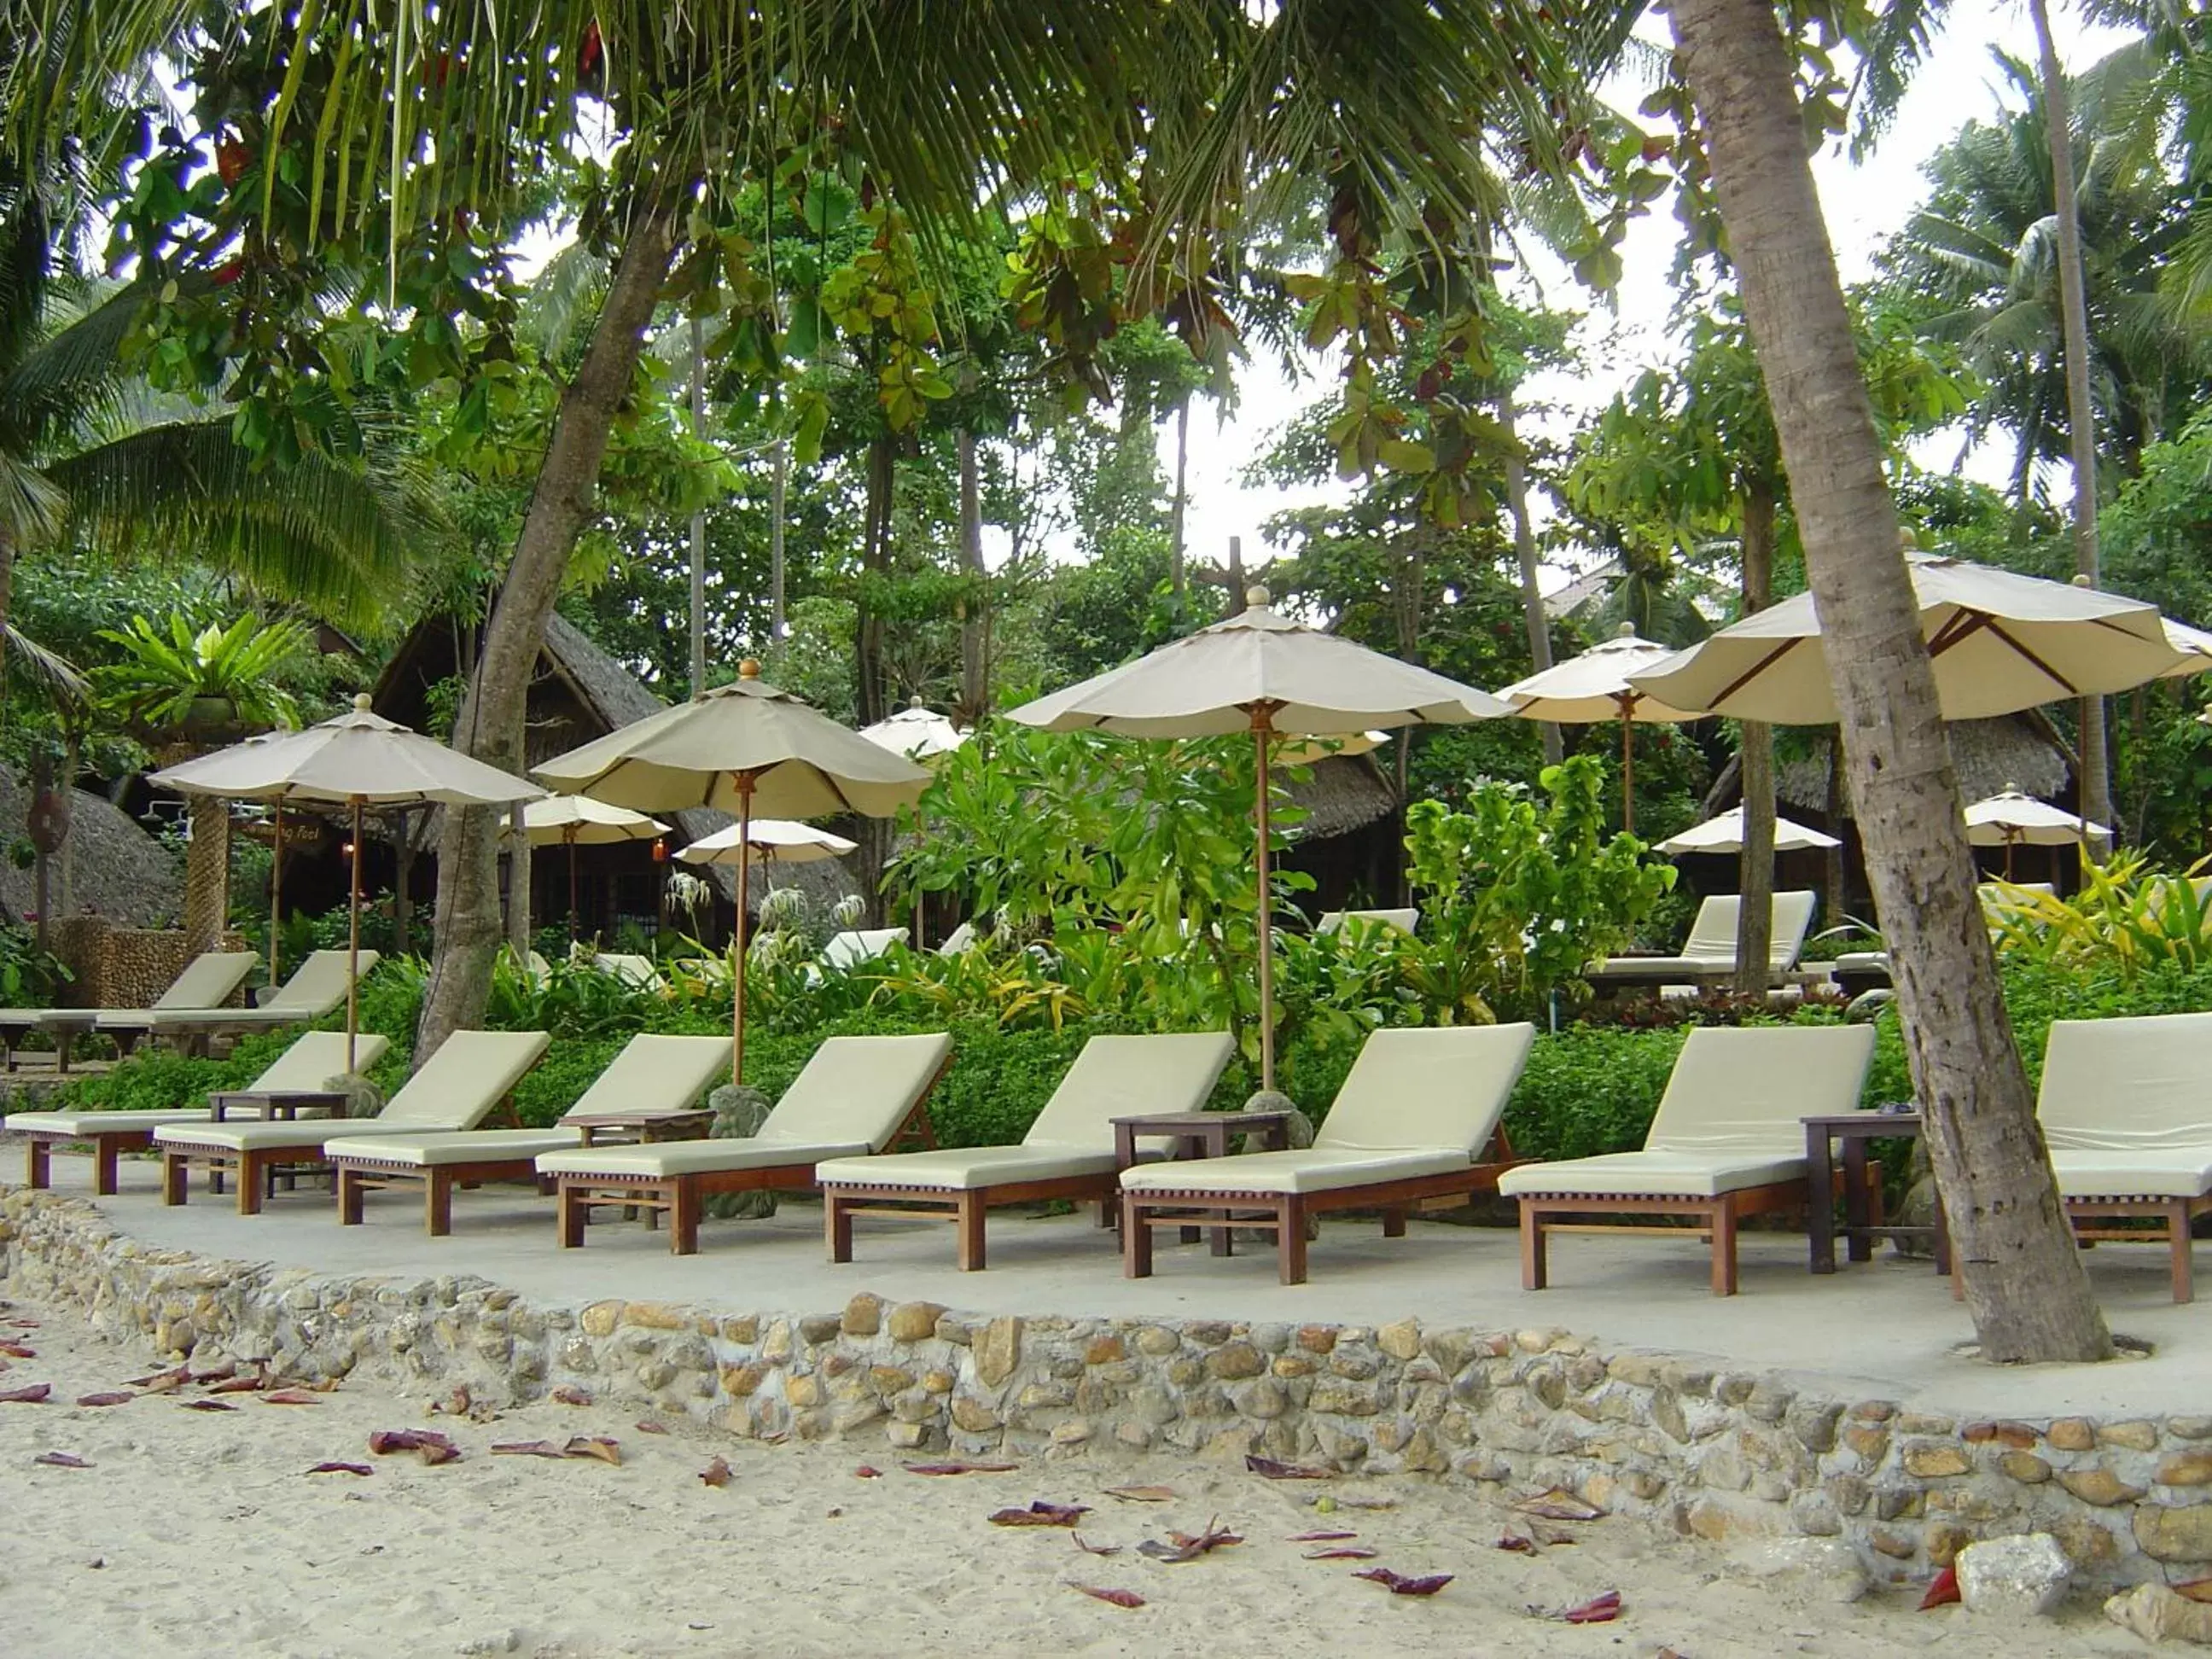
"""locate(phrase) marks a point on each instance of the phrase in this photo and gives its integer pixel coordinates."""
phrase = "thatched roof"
(2006, 753)
(1345, 792)
(116, 869)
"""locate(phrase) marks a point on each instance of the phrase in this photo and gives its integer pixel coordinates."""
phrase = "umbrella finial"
(1257, 597)
(1626, 631)
(361, 702)
(748, 669)
(2084, 582)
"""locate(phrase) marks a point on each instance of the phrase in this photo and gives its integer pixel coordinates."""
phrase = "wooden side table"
(1198, 1135)
(605, 1128)
(1854, 1130)
(285, 1104)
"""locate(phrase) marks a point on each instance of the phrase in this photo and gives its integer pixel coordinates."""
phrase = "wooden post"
(1261, 730)
(353, 956)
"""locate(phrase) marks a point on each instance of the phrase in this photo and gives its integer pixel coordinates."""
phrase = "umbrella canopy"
(918, 733)
(2000, 642)
(574, 820)
(362, 760)
(2010, 818)
(1261, 673)
(769, 841)
(1593, 687)
(737, 748)
(2195, 646)
(1724, 834)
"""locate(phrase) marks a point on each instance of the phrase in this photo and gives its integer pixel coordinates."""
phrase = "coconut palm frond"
(51, 672)
(32, 508)
(71, 377)
(1904, 35)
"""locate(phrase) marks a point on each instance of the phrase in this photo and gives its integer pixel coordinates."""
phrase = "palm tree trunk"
(466, 932)
(1754, 929)
(698, 571)
(207, 873)
(2080, 406)
(1524, 547)
(1177, 511)
(973, 690)
(874, 836)
(2025, 1285)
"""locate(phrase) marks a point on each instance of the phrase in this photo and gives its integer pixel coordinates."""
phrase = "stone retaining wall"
(1721, 1453)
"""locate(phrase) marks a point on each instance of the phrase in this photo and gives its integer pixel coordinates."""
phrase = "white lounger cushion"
(662, 1159)
(2126, 1108)
(457, 1088)
(1731, 1117)
(1313, 1170)
(1074, 1135)
(473, 1146)
(312, 1059)
(317, 986)
(2148, 1173)
(1711, 947)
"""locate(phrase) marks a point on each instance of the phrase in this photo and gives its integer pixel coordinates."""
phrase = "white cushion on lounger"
(661, 1159)
(92, 1123)
(959, 1168)
(2148, 1173)
(312, 1058)
(254, 1135)
(2128, 1085)
(1313, 1170)
(473, 1146)
(1671, 1175)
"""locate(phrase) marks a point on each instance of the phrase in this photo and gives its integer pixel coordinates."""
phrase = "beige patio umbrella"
(1724, 834)
(2010, 818)
(2001, 642)
(357, 760)
(736, 748)
(573, 820)
(2195, 646)
(1593, 687)
(1261, 673)
(766, 840)
(918, 733)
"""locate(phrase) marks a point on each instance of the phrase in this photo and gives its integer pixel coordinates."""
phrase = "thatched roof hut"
(110, 867)
(1992, 755)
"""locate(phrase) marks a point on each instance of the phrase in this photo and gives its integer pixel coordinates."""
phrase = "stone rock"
(2100, 1486)
(2189, 1468)
(600, 1319)
(1934, 1460)
(997, 1350)
(1316, 1339)
(2024, 1467)
(739, 1110)
(1824, 1569)
(815, 1330)
(1208, 1333)
(2072, 1434)
(2175, 1534)
(744, 1330)
(2159, 1614)
(803, 1391)
(2134, 1436)
(864, 1314)
(913, 1321)
(1233, 1361)
(1103, 1351)
(1157, 1340)
(1072, 1433)
(2020, 1577)
(1401, 1341)
(973, 1416)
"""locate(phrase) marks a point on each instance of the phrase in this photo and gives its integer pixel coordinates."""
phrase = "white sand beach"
(201, 1531)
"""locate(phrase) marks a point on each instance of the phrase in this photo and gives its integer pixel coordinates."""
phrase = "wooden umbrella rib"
(1757, 669)
(2042, 667)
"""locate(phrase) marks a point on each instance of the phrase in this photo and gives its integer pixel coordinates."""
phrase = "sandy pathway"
(200, 1531)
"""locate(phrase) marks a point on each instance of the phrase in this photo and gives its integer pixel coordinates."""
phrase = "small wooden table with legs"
(1197, 1134)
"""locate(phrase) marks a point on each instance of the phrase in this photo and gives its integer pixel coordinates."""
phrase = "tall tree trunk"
(2096, 774)
(1754, 929)
(1838, 904)
(207, 873)
(2025, 1285)
(466, 934)
(874, 837)
(775, 541)
(1524, 548)
(1179, 510)
(975, 691)
(698, 571)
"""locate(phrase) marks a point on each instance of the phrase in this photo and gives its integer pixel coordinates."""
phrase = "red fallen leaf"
(1322, 1537)
(1557, 1504)
(959, 1468)
(214, 1373)
(1343, 1553)
(433, 1447)
(111, 1398)
(1143, 1494)
(20, 1324)
(1268, 1468)
(31, 1395)
(1399, 1584)
(1943, 1589)
(61, 1461)
(1089, 1549)
(236, 1385)
(1120, 1598)
(1517, 1544)
(207, 1404)
(649, 1426)
(869, 1471)
(527, 1448)
(161, 1381)
(1600, 1609)
(1188, 1547)
(568, 1394)
(1039, 1514)
(340, 1468)
(2196, 1590)
(716, 1473)
(292, 1397)
(17, 1351)
(594, 1445)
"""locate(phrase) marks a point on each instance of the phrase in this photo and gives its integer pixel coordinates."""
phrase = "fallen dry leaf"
(1343, 1553)
(716, 1473)
(527, 1448)
(340, 1468)
(1143, 1494)
(1399, 1584)
(594, 1445)
(1942, 1591)
(1322, 1537)
(111, 1397)
(216, 1373)
(1545, 1532)
(292, 1397)
(2196, 1590)
(1268, 1468)
(1517, 1545)
(869, 1471)
(61, 1461)
(648, 1425)
(1120, 1598)
(1354, 1501)
(1039, 1514)
(17, 1351)
(1089, 1549)
(433, 1447)
(31, 1394)
(959, 1468)
(1558, 1504)
(1188, 1547)
(236, 1385)
(569, 1395)
(161, 1381)
(1600, 1609)
(207, 1404)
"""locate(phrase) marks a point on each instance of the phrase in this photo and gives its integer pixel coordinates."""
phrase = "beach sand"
(202, 1531)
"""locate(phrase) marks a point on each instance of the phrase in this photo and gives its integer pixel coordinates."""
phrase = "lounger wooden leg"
(837, 1227)
(1534, 1268)
(438, 1203)
(253, 1173)
(684, 1218)
(351, 1193)
(103, 1165)
(1291, 1239)
(969, 1223)
(1136, 1239)
(176, 1173)
(1107, 1213)
(570, 1216)
(1721, 1218)
(38, 1171)
(2179, 1241)
(1393, 1223)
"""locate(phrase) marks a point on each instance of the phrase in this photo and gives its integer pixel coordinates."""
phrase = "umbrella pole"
(1628, 764)
(2009, 846)
(1259, 735)
(353, 939)
(570, 836)
(275, 889)
(744, 783)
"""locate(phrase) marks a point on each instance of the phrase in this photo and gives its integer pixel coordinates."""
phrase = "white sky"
(1863, 202)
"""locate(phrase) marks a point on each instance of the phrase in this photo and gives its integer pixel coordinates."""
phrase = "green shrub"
(1588, 1090)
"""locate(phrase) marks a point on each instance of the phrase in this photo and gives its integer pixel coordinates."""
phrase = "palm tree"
(2025, 1285)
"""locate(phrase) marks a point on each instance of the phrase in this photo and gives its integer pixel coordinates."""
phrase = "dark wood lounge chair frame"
(2177, 1214)
(357, 1176)
(256, 1166)
(1286, 1213)
(106, 1146)
(681, 1197)
(964, 1206)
